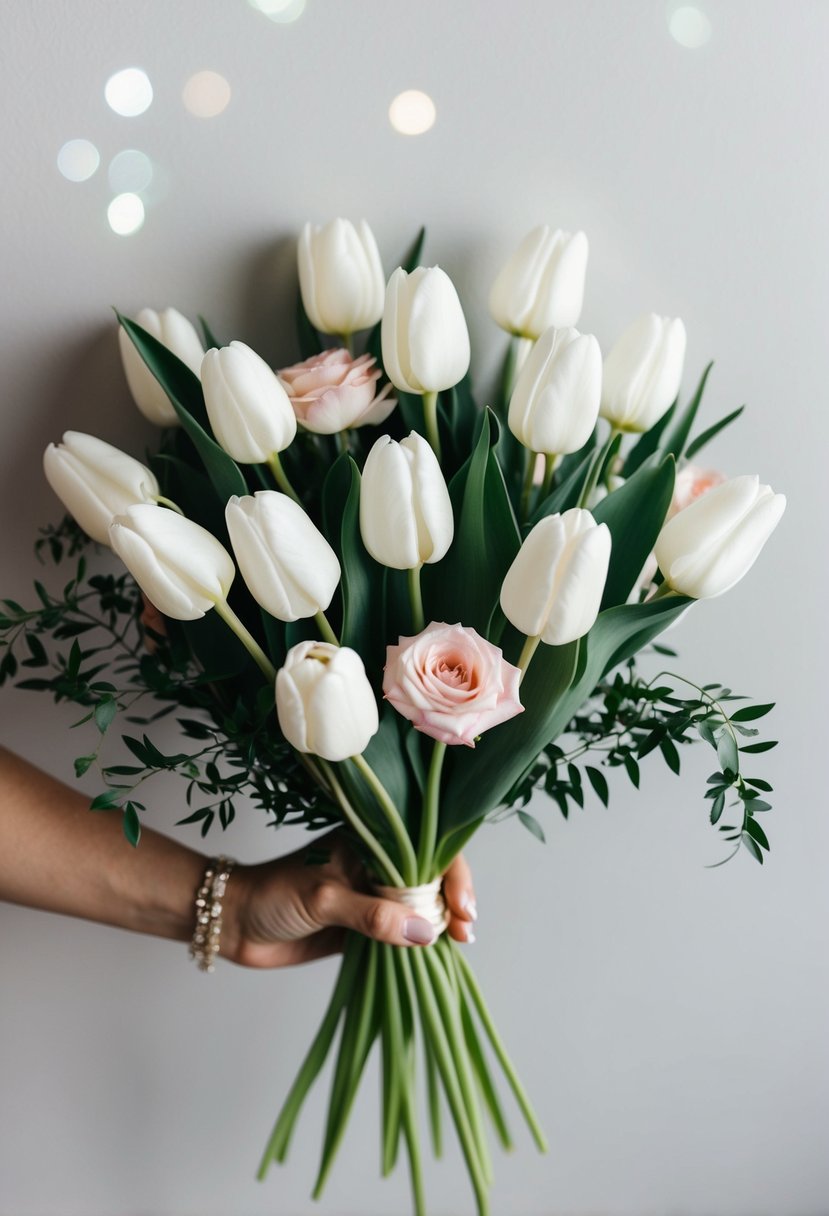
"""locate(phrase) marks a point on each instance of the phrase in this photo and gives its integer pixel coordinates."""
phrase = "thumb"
(381, 919)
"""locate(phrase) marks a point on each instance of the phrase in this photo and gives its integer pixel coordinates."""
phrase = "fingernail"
(419, 931)
(470, 934)
(468, 904)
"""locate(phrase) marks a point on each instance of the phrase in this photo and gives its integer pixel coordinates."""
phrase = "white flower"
(340, 277)
(424, 336)
(405, 510)
(324, 701)
(642, 373)
(542, 285)
(178, 335)
(249, 410)
(555, 402)
(96, 481)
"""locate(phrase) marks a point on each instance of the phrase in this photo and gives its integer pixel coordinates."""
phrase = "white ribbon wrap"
(426, 901)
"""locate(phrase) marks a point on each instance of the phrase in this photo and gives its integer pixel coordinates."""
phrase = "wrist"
(235, 916)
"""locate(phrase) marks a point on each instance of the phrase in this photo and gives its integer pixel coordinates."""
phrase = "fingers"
(381, 919)
(459, 894)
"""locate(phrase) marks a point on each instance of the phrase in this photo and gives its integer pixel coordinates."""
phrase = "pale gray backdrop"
(670, 1019)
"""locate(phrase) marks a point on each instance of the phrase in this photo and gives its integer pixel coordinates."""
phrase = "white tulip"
(555, 402)
(288, 565)
(249, 410)
(180, 566)
(405, 510)
(324, 701)
(553, 589)
(340, 277)
(179, 336)
(542, 285)
(424, 336)
(642, 373)
(96, 481)
(708, 547)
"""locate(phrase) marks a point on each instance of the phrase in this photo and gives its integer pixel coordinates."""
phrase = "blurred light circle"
(206, 94)
(129, 92)
(78, 159)
(689, 26)
(282, 11)
(412, 112)
(130, 172)
(125, 214)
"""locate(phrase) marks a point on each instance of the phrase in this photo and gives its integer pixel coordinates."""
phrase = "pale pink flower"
(331, 392)
(451, 683)
(691, 483)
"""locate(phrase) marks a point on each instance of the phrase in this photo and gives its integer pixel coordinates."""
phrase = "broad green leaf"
(634, 514)
(647, 443)
(185, 393)
(705, 438)
(677, 437)
(211, 342)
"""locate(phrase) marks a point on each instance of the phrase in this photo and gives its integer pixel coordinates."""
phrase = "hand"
(286, 911)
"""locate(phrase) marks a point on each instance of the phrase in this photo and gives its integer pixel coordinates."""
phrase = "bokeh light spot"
(206, 94)
(281, 11)
(689, 26)
(129, 92)
(412, 112)
(125, 214)
(130, 172)
(78, 159)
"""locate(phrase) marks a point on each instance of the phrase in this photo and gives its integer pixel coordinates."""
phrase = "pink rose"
(691, 483)
(451, 683)
(331, 392)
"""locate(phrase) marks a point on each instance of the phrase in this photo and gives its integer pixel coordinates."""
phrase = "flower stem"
(404, 843)
(530, 647)
(416, 599)
(342, 438)
(281, 477)
(550, 463)
(387, 867)
(430, 418)
(527, 487)
(348, 342)
(596, 468)
(429, 825)
(247, 639)
(325, 629)
(168, 502)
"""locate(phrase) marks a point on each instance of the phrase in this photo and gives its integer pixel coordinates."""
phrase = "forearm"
(57, 855)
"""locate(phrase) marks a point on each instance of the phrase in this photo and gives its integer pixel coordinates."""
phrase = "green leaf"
(681, 429)
(109, 799)
(105, 712)
(566, 493)
(185, 393)
(532, 825)
(727, 753)
(634, 514)
(700, 442)
(759, 783)
(752, 846)
(82, 764)
(669, 751)
(211, 342)
(718, 806)
(750, 712)
(632, 770)
(131, 825)
(599, 782)
(755, 748)
(647, 444)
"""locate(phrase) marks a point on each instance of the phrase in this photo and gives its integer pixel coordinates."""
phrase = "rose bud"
(288, 565)
(707, 548)
(248, 408)
(642, 373)
(555, 402)
(176, 333)
(96, 481)
(451, 683)
(405, 510)
(340, 277)
(542, 285)
(553, 589)
(424, 336)
(179, 566)
(324, 701)
(331, 392)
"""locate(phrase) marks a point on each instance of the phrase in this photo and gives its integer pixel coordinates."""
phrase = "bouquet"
(388, 609)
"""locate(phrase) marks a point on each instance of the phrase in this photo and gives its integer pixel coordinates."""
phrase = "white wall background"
(670, 1018)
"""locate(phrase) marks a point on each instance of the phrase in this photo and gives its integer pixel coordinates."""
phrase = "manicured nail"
(470, 934)
(419, 931)
(468, 904)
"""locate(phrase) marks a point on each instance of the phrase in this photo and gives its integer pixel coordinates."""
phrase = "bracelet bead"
(208, 908)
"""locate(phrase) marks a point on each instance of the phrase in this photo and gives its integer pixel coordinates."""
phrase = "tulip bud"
(340, 277)
(248, 408)
(553, 589)
(324, 701)
(288, 565)
(642, 373)
(708, 547)
(96, 481)
(405, 510)
(555, 402)
(176, 333)
(424, 336)
(180, 566)
(542, 285)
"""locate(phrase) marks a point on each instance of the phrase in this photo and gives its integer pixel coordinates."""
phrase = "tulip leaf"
(211, 342)
(634, 514)
(647, 444)
(701, 440)
(565, 495)
(186, 397)
(678, 435)
(466, 584)
(362, 577)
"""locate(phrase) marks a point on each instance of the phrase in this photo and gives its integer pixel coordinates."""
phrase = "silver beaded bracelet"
(205, 944)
